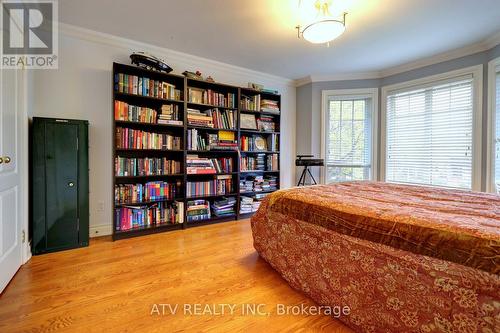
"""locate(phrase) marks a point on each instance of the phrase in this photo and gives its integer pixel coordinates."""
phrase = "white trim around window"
(368, 93)
(493, 66)
(477, 86)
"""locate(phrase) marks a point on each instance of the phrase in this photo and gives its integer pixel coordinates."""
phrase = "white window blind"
(429, 134)
(348, 139)
(497, 131)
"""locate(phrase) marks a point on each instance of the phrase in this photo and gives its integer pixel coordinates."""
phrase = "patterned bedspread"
(459, 226)
(402, 258)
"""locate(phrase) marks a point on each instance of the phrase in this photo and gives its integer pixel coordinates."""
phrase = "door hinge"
(24, 237)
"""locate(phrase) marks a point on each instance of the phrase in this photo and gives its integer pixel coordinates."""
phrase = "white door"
(11, 169)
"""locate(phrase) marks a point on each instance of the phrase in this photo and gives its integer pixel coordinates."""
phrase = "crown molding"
(481, 46)
(131, 45)
(492, 41)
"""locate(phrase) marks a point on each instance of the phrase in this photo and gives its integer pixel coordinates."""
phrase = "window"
(494, 126)
(348, 136)
(430, 133)
(497, 131)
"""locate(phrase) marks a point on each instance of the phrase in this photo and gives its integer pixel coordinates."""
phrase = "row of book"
(208, 96)
(133, 217)
(251, 204)
(258, 184)
(144, 86)
(127, 112)
(147, 166)
(269, 106)
(223, 184)
(204, 165)
(224, 206)
(266, 124)
(223, 140)
(260, 162)
(250, 103)
(150, 191)
(127, 138)
(248, 205)
(213, 118)
(170, 115)
(259, 143)
(197, 210)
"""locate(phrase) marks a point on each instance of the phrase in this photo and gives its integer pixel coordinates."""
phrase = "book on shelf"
(127, 112)
(169, 115)
(224, 206)
(250, 103)
(269, 106)
(254, 143)
(273, 143)
(212, 118)
(253, 163)
(204, 165)
(258, 184)
(248, 205)
(136, 217)
(150, 191)
(147, 166)
(144, 86)
(251, 204)
(197, 210)
(210, 97)
(223, 184)
(272, 163)
(128, 138)
(223, 140)
(266, 124)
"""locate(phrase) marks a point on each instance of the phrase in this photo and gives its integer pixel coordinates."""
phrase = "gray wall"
(309, 100)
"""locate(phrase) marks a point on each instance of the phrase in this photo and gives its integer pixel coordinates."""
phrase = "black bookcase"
(183, 84)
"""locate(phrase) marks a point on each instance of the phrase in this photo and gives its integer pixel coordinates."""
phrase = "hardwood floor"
(114, 286)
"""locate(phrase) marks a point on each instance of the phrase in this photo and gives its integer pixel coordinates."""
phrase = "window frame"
(477, 110)
(364, 93)
(492, 105)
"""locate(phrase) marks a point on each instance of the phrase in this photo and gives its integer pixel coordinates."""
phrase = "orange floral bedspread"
(403, 258)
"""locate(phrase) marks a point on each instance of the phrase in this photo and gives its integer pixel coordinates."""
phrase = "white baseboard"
(100, 230)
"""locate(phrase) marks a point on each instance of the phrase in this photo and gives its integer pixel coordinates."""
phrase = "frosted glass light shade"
(323, 31)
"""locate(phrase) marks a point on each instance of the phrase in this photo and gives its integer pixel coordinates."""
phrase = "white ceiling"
(261, 35)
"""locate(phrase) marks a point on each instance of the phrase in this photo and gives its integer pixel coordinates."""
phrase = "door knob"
(6, 159)
(71, 184)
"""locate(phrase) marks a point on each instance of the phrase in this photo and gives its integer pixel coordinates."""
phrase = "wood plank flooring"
(114, 286)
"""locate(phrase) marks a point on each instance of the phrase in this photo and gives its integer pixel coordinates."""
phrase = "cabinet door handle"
(1, 160)
(6, 159)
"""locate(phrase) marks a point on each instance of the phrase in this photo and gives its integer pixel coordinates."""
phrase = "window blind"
(497, 131)
(348, 153)
(429, 134)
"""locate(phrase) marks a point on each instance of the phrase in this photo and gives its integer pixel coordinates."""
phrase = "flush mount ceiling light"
(319, 24)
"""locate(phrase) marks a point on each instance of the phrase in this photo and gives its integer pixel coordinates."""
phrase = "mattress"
(457, 226)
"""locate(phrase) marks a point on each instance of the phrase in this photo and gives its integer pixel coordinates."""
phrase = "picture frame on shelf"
(248, 121)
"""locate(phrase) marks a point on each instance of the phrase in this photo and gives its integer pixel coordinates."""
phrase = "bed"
(402, 258)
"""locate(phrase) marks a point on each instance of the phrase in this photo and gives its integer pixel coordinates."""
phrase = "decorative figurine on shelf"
(210, 79)
(193, 75)
(150, 62)
(255, 86)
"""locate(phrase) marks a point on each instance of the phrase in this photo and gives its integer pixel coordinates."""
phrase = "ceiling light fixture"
(321, 26)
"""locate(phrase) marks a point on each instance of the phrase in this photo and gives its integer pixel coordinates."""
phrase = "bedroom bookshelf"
(145, 187)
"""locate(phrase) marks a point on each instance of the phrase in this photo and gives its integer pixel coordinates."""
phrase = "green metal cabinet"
(59, 184)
